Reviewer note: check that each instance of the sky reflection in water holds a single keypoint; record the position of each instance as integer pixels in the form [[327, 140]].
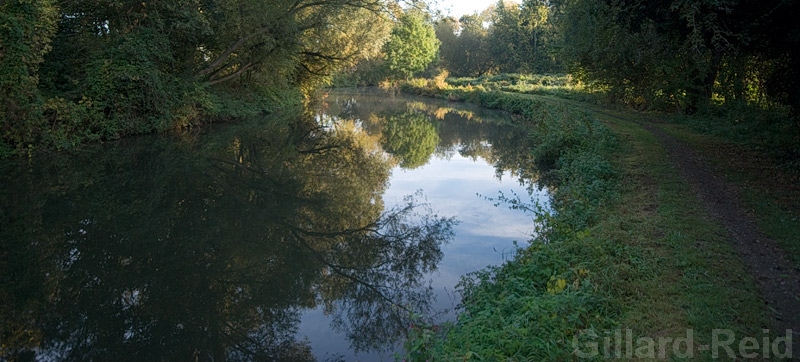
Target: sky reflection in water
[[454, 185], [230, 242]]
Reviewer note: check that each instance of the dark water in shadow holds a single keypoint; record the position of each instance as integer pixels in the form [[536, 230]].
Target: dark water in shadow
[[281, 238]]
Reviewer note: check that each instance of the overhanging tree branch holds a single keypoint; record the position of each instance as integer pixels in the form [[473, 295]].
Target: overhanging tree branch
[[233, 75]]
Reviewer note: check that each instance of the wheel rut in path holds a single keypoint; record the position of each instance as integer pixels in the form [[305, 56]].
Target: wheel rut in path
[[777, 278]]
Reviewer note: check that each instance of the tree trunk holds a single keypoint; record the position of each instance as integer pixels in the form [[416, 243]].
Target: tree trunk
[[700, 91]]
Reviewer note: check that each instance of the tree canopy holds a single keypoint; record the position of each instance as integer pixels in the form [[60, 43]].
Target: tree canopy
[[507, 37], [412, 45], [465, 46], [79, 70], [684, 52], [72, 71], [667, 55]]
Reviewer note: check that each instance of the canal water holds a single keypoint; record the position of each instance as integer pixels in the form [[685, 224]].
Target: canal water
[[319, 236]]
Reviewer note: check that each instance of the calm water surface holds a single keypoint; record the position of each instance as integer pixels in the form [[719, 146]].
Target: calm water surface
[[282, 238]]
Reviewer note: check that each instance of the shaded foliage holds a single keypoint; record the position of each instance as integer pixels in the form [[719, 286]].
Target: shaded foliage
[[465, 53], [116, 68], [26, 28], [684, 54]]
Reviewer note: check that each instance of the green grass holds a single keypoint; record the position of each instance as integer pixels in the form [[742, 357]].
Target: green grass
[[766, 130], [757, 149], [769, 193], [556, 85], [638, 251], [695, 279]]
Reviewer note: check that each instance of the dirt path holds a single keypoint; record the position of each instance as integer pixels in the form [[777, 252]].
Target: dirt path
[[778, 280]]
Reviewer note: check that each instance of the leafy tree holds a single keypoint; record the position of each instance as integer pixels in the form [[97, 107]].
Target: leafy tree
[[446, 31], [536, 23], [127, 67], [26, 29], [506, 37], [680, 53], [475, 45], [523, 38], [465, 53], [412, 45]]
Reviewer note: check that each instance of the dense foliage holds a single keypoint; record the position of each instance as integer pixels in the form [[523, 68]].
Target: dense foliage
[[411, 47], [76, 71], [506, 37], [72, 71], [734, 64], [729, 66], [669, 55], [465, 53], [25, 31], [685, 53]]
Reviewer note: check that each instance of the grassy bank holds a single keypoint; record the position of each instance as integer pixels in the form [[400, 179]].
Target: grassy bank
[[628, 246], [757, 149], [563, 86], [766, 128]]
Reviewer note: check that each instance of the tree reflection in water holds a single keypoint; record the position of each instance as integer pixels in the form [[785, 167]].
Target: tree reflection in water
[[404, 127], [410, 136], [210, 248]]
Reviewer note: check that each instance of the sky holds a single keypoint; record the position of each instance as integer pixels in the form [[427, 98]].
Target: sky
[[463, 7]]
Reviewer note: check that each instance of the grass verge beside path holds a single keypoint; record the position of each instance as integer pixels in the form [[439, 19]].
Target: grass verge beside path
[[771, 196], [696, 279], [646, 257]]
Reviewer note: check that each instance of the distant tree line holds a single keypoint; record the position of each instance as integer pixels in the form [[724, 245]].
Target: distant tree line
[[663, 53], [508, 37]]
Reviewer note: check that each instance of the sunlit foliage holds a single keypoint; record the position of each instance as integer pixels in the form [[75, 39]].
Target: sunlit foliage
[[412, 45], [507, 37]]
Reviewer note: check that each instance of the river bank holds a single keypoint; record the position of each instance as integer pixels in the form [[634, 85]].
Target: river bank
[[657, 262]]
